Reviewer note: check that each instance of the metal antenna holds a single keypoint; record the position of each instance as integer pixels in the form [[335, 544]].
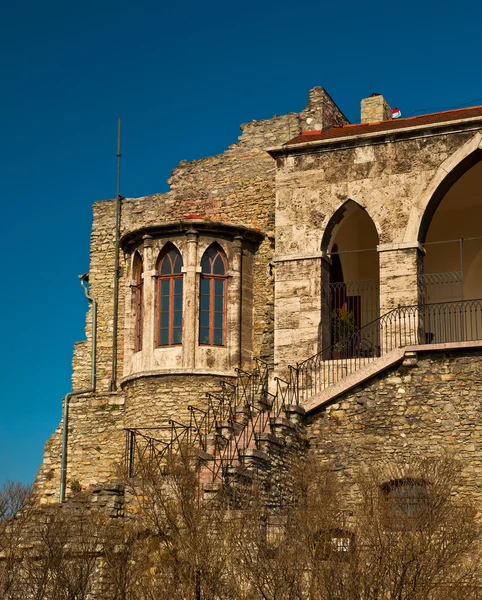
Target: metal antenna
[[113, 380], [119, 126]]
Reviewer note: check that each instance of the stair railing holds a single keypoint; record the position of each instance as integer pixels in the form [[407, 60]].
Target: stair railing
[[442, 322]]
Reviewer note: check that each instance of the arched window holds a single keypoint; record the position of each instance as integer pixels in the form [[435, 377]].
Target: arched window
[[169, 297], [405, 500], [138, 301], [212, 310]]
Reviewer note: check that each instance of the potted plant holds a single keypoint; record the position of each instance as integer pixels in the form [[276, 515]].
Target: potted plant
[[342, 327]]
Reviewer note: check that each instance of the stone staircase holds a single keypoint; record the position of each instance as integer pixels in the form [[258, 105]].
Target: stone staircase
[[243, 434]]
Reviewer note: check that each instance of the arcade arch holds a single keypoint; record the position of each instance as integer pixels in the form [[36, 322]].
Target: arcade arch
[[451, 233], [351, 275]]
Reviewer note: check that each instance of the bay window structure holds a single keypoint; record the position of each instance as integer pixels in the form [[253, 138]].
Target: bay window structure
[[169, 297], [212, 309], [189, 299], [138, 301]]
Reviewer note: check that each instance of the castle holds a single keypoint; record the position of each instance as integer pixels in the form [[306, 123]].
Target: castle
[[345, 258]]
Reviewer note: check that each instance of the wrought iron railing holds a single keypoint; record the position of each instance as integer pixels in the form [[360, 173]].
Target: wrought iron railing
[[232, 419], [245, 407], [443, 322], [362, 299], [442, 287], [152, 444]]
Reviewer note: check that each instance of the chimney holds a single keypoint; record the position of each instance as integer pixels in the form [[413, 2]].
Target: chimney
[[375, 108]]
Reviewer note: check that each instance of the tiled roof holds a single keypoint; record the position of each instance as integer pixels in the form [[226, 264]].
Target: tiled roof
[[338, 131]]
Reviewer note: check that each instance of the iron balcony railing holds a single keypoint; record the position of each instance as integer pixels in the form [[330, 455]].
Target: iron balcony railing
[[443, 322]]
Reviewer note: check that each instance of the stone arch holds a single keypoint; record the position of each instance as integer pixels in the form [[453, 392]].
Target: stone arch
[[222, 253], [166, 248], [350, 277], [336, 218], [448, 173], [451, 230]]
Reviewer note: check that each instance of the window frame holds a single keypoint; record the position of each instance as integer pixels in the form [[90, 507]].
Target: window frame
[[171, 277], [138, 288], [404, 501], [334, 544], [212, 278]]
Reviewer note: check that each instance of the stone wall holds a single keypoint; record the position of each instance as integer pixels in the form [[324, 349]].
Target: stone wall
[[421, 409], [392, 178], [236, 187], [95, 446], [387, 179], [152, 401]]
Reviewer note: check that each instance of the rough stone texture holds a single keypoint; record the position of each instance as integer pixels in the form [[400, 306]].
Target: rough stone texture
[[95, 446], [152, 401], [393, 177], [236, 188], [391, 180], [423, 410], [375, 108]]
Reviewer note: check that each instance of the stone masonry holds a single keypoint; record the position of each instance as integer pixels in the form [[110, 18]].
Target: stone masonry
[[275, 204], [424, 407], [236, 188]]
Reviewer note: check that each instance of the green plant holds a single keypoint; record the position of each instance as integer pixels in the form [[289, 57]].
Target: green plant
[[75, 486], [342, 326]]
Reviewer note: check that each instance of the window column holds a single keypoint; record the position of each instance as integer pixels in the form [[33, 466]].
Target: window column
[[191, 295], [235, 302], [149, 302]]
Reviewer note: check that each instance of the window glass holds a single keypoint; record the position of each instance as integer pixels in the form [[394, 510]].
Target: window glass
[[204, 319], [169, 300], [205, 301], [218, 267], [166, 267], [165, 320], [177, 302], [178, 286], [218, 320], [177, 261], [212, 298], [204, 335], [206, 264], [164, 337], [219, 303]]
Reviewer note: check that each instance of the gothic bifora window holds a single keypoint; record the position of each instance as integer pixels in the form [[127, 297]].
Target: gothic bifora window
[[169, 298], [138, 302], [212, 309]]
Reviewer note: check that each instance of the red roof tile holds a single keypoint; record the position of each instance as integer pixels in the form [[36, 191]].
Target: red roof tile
[[383, 126]]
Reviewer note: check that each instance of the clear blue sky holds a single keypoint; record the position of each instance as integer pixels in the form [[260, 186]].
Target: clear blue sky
[[183, 76]]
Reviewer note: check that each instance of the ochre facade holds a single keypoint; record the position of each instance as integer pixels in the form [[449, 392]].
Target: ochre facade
[[322, 228]]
